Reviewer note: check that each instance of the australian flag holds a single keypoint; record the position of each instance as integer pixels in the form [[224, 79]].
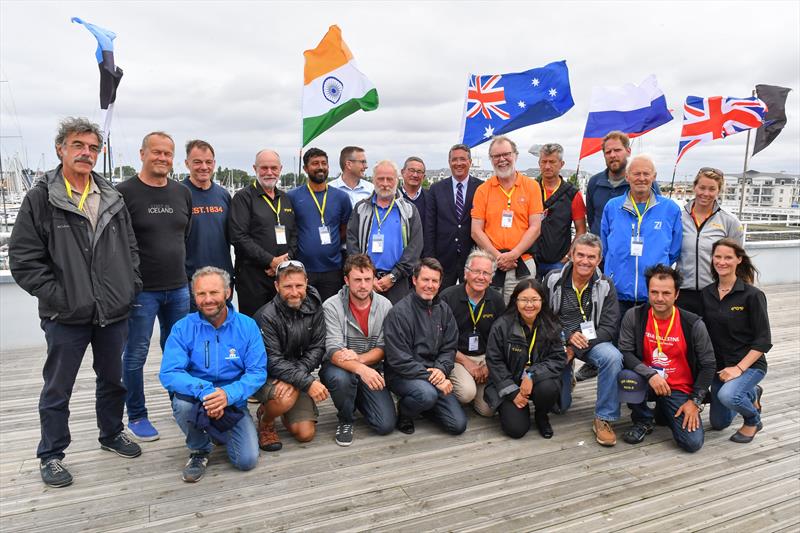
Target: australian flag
[[110, 74], [500, 103]]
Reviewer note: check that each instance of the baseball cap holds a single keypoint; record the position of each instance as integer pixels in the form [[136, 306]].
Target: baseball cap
[[632, 387]]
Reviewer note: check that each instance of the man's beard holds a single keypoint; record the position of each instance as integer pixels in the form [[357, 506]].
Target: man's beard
[[318, 177]]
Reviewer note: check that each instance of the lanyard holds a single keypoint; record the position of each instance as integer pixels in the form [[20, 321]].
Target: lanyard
[[638, 214], [579, 294], [697, 223], [544, 190], [669, 328], [530, 347], [83, 196], [472, 315], [324, 201], [508, 194], [385, 216], [277, 210]]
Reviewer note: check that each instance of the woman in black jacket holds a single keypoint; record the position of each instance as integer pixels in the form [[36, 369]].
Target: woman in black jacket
[[735, 313], [525, 357]]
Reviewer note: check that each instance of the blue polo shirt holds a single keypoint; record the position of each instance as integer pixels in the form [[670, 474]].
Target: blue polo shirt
[[318, 257], [392, 231]]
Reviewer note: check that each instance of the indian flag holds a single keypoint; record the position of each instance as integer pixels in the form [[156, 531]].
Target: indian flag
[[334, 87]]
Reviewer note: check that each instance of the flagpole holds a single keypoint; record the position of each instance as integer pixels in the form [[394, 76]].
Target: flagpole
[[744, 171], [672, 183], [110, 158], [104, 161]]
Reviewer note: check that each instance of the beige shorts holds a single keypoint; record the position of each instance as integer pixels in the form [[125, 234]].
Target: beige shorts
[[304, 408]]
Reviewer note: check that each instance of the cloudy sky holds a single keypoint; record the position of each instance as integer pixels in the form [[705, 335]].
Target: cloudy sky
[[232, 72]]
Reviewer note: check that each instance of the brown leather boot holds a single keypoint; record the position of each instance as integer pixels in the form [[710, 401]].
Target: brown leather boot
[[268, 439]]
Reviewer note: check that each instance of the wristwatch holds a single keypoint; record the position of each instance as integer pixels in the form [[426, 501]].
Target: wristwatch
[[392, 277], [698, 402]]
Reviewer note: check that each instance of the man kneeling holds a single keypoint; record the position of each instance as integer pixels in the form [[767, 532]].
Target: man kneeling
[[213, 360]]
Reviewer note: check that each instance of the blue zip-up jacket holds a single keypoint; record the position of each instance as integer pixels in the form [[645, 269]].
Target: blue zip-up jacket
[[198, 358], [598, 192], [662, 234]]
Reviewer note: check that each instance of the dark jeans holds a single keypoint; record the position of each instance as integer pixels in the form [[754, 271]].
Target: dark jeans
[[418, 396], [691, 441], [326, 283], [349, 393], [398, 290], [735, 397], [516, 422], [66, 346]]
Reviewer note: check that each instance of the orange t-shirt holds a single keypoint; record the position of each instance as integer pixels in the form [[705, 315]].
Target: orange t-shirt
[[490, 201]]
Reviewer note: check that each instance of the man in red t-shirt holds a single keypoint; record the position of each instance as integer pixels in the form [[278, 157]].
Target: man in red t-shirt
[[670, 349]]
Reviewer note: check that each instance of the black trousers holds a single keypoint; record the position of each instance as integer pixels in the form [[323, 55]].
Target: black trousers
[[254, 288], [326, 283], [516, 422], [66, 346]]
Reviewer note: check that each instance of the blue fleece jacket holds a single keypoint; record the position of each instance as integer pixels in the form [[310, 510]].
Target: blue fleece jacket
[[199, 358], [661, 232]]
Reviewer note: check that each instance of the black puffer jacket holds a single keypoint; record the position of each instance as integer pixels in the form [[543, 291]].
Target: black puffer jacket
[[80, 276], [294, 339]]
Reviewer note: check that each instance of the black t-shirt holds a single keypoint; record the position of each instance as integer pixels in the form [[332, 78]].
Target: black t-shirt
[[456, 298], [161, 218]]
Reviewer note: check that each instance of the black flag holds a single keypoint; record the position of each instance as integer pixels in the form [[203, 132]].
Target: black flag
[[775, 119]]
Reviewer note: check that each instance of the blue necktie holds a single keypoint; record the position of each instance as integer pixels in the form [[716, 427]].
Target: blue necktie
[[459, 200]]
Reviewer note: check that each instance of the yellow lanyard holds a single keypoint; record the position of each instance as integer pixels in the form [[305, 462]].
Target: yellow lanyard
[[579, 294], [472, 315], [324, 201], [638, 214], [544, 191], [83, 196], [385, 216], [271, 205], [508, 194], [655, 327], [530, 347]]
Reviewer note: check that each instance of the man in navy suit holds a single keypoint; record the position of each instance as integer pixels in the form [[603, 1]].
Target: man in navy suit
[[447, 224]]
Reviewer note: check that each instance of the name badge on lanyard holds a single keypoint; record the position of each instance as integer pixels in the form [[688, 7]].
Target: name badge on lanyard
[[637, 245], [508, 218], [587, 328], [377, 243], [324, 235], [280, 234], [473, 343]]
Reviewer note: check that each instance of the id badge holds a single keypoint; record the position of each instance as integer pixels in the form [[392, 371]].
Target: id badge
[[280, 234], [324, 235], [377, 243], [637, 246], [473, 343], [508, 219], [587, 328]]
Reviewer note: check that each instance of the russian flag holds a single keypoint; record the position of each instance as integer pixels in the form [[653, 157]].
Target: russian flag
[[632, 109]]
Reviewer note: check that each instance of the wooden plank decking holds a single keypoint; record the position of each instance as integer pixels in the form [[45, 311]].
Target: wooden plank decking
[[428, 481]]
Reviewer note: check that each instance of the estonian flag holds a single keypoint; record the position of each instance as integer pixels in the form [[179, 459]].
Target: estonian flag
[[110, 74]]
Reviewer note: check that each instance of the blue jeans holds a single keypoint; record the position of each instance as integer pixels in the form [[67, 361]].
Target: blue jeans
[[349, 393], [169, 306], [418, 396], [242, 444], [608, 360], [735, 396], [691, 441]]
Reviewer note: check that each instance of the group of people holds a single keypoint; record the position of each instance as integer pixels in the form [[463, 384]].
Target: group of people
[[393, 300]]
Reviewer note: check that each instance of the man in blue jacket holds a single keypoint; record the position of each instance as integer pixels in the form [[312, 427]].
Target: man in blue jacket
[[213, 361], [639, 230]]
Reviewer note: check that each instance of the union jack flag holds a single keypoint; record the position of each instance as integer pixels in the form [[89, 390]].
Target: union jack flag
[[485, 97], [716, 117]]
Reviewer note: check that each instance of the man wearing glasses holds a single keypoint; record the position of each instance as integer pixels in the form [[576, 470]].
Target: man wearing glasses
[[475, 306], [293, 328], [413, 173], [507, 217], [353, 162]]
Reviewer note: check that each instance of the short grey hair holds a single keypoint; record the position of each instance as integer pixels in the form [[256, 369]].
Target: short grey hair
[[414, 159], [480, 253], [210, 271], [387, 162], [588, 239], [642, 157], [552, 148], [77, 125], [162, 134], [500, 138]]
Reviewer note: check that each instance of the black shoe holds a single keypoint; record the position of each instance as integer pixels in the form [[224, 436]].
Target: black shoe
[[405, 424], [759, 392], [741, 438], [195, 468], [587, 371], [543, 424], [54, 473], [637, 433], [344, 434], [123, 446]]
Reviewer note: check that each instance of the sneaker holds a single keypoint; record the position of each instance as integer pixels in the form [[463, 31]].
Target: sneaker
[[344, 434], [543, 425], [268, 439], [143, 430], [253, 399], [123, 446], [54, 473], [195, 467], [587, 371], [405, 424], [637, 433], [604, 433]]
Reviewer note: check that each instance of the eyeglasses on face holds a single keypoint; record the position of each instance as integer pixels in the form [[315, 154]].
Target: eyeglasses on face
[[529, 301], [504, 155], [415, 171], [479, 273]]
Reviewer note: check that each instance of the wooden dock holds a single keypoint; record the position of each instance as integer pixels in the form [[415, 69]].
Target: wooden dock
[[428, 481]]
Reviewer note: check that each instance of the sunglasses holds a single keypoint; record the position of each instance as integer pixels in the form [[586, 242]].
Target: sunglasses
[[291, 262]]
